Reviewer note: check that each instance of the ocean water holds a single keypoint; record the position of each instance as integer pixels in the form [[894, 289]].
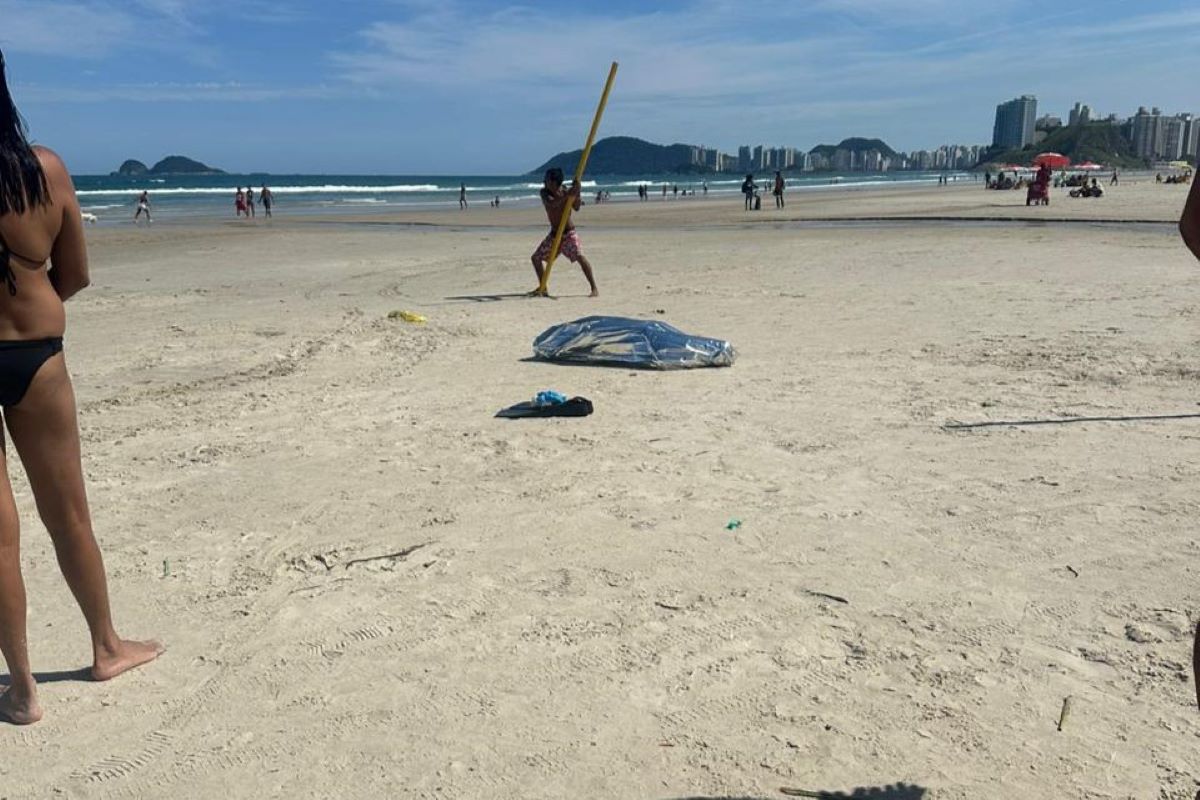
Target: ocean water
[[182, 197]]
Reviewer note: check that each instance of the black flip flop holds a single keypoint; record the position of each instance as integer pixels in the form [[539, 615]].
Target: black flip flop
[[575, 407]]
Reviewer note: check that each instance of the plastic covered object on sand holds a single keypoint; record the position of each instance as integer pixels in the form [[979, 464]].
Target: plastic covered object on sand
[[631, 342]]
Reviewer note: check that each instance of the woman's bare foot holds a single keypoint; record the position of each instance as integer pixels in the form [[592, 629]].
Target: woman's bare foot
[[112, 661], [19, 711]]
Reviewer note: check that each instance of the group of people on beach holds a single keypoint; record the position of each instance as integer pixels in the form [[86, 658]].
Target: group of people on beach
[[751, 197], [44, 263], [243, 201]]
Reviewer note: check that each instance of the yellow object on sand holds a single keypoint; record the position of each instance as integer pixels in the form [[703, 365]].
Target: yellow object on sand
[[407, 316], [542, 289]]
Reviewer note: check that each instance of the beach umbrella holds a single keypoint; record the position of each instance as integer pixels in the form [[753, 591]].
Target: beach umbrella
[[1180, 165], [1052, 160]]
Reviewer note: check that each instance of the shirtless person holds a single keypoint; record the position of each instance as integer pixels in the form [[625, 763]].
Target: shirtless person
[[554, 200], [143, 207], [1189, 228], [40, 223]]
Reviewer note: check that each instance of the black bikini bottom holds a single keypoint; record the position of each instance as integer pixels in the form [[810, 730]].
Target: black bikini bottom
[[19, 362]]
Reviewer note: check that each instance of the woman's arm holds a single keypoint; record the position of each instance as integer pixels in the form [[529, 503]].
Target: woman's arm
[[1189, 223], [68, 258]]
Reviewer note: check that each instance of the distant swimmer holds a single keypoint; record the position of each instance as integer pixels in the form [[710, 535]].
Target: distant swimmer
[[143, 207], [554, 201], [43, 263]]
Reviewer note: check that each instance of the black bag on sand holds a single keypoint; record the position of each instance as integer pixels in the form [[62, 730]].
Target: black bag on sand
[[575, 407], [758, 202]]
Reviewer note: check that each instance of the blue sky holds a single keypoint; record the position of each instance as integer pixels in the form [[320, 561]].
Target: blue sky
[[463, 87]]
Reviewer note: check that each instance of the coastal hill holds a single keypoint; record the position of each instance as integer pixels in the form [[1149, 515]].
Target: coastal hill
[[1092, 141], [856, 144], [171, 165], [624, 155]]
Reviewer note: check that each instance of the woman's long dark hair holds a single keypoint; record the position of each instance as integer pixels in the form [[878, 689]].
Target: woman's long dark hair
[[22, 181]]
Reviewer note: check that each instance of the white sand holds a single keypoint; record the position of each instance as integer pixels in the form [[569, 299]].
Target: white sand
[[579, 622]]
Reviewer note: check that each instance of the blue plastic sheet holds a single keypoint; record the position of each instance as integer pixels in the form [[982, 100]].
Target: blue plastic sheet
[[631, 342]]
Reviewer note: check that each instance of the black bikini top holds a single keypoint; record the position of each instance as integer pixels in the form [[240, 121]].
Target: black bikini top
[[6, 271]]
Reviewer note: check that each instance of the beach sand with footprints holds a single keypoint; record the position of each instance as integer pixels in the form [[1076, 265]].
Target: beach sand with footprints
[[370, 587]]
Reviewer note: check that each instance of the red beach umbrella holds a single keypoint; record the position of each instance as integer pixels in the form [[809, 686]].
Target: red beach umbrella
[[1052, 160]]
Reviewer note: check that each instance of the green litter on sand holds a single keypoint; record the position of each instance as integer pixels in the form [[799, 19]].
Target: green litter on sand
[[733, 524]]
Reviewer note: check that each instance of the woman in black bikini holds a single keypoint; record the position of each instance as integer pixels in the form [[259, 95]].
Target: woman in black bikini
[[40, 223]]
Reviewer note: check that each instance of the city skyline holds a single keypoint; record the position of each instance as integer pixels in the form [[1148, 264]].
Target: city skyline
[[465, 86]]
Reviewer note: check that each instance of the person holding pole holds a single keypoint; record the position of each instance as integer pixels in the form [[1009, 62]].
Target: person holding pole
[[556, 200], [564, 216]]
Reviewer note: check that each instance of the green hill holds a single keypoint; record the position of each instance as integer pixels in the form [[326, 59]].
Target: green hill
[[1093, 141], [624, 155], [181, 165], [855, 143]]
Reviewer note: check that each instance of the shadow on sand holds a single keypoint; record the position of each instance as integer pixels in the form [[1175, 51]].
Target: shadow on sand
[[899, 791], [83, 674]]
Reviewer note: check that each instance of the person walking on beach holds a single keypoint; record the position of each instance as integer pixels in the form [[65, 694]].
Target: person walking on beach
[[39, 223], [267, 199], [1114, 180], [778, 190], [239, 202], [748, 188], [249, 201], [462, 197], [554, 201], [143, 207]]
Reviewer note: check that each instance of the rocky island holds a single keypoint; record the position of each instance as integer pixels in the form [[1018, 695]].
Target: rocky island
[[171, 165]]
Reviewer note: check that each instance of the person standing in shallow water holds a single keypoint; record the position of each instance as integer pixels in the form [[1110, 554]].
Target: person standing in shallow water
[[267, 199], [143, 207], [462, 197], [39, 224], [249, 201]]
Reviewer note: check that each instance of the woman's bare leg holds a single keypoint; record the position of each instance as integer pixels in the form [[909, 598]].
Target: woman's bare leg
[[19, 703], [45, 432]]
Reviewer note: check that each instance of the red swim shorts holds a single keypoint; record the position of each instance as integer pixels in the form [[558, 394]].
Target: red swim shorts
[[568, 248]]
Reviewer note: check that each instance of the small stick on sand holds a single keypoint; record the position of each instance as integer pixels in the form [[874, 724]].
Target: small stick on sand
[[398, 554], [1066, 710], [832, 597]]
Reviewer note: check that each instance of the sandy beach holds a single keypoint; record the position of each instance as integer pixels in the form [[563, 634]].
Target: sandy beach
[[370, 587]]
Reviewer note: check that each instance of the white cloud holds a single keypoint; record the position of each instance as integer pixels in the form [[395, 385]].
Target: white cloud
[[46, 27]]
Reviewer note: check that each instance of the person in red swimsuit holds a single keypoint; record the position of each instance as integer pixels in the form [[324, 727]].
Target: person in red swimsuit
[[239, 202], [39, 224]]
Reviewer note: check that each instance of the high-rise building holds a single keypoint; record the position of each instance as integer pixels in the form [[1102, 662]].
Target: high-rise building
[[745, 163], [1175, 131], [1191, 137], [1147, 134], [1080, 114], [1014, 122]]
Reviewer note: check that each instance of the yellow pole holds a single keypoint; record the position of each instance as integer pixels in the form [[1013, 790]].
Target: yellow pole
[[542, 289]]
